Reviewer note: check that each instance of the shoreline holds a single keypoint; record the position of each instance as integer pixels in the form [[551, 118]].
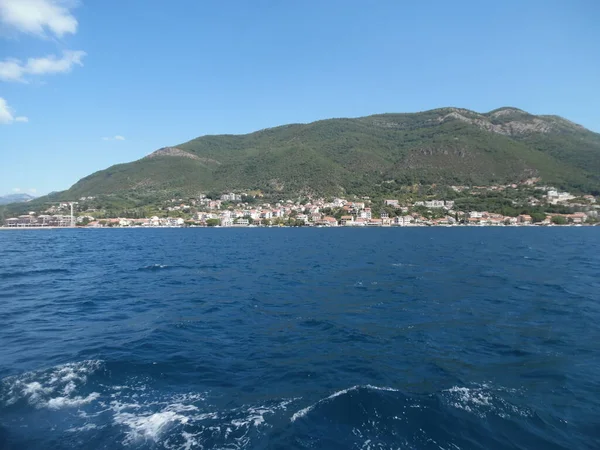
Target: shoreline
[[337, 227]]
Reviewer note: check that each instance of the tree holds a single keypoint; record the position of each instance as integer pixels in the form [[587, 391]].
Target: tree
[[248, 199], [213, 222], [537, 217], [559, 220]]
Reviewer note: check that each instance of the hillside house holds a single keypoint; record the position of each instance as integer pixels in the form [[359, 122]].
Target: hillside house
[[347, 220], [524, 219]]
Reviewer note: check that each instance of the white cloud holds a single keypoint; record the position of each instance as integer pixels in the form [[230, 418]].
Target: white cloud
[[11, 70], [16, 189], [6, 114], [32, 190], [15, 70], [114, 138], [39, 17], [44, 18], [52, 64]]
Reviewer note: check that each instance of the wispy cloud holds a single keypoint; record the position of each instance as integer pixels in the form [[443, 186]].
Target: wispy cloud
[[31, 191], [6, 114], [114, 138], [16, 70], [45, 19], [39, 17]]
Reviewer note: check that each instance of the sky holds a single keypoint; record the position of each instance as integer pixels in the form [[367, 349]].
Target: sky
[[87, 84]]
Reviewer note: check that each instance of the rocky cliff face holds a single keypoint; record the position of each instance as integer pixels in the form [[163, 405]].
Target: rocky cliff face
[[177, 152], [509, 121], [172, 151]]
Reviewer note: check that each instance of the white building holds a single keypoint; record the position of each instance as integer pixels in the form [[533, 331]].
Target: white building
[[402, 221], [226, 222], [434, 204], [231, 197], [365, 214]]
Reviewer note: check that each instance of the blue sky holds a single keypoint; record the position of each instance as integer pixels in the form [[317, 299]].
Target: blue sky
[[87, 84]]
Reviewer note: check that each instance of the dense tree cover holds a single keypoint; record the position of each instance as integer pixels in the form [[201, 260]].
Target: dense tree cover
[[509, 203], [559, 220], [537, 217], [376, 156]]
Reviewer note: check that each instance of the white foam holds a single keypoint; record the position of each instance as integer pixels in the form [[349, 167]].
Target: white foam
[[190, 441], [53, 388], [380, 388], [256, 415], [66, 402], [69, 388], [471, 396], [148, 427], [137, 410], [303, 412], [483, 399], [34, 391], [156, 266], [86, 427], [256, 420]]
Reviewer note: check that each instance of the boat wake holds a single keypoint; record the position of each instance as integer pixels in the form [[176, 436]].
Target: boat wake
[[78, 404]]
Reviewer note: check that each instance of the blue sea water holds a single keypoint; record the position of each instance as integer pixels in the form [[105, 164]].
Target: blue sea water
[[437, 338]]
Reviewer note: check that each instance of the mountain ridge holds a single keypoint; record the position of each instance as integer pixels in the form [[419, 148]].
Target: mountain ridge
[[16, 198], [355, 155]]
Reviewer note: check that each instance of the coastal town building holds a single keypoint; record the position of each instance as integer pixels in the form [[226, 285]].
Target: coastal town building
[[230, 211]]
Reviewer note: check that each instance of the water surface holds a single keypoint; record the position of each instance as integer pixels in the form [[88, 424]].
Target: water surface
[[300, 338]]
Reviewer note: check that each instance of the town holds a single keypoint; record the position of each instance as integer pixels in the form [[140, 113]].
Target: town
[[251, 210]]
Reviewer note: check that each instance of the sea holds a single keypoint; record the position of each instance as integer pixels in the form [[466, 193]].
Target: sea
[[280, 338]]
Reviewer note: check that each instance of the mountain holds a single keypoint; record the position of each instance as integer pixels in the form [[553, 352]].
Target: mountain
[[355, 156], [15, 198]]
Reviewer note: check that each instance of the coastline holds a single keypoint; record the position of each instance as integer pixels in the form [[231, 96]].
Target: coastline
[[329, 227]]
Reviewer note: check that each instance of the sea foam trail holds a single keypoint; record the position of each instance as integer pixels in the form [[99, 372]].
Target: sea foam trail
[[483, 399], [133, 408], [189, 421], [55, 388], [303, 412]]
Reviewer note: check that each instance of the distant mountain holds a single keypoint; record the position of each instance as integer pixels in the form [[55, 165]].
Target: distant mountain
[[358, 156], [15, 198]]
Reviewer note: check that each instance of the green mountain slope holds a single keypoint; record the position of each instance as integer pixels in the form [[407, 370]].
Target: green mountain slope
[[336, 156]]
